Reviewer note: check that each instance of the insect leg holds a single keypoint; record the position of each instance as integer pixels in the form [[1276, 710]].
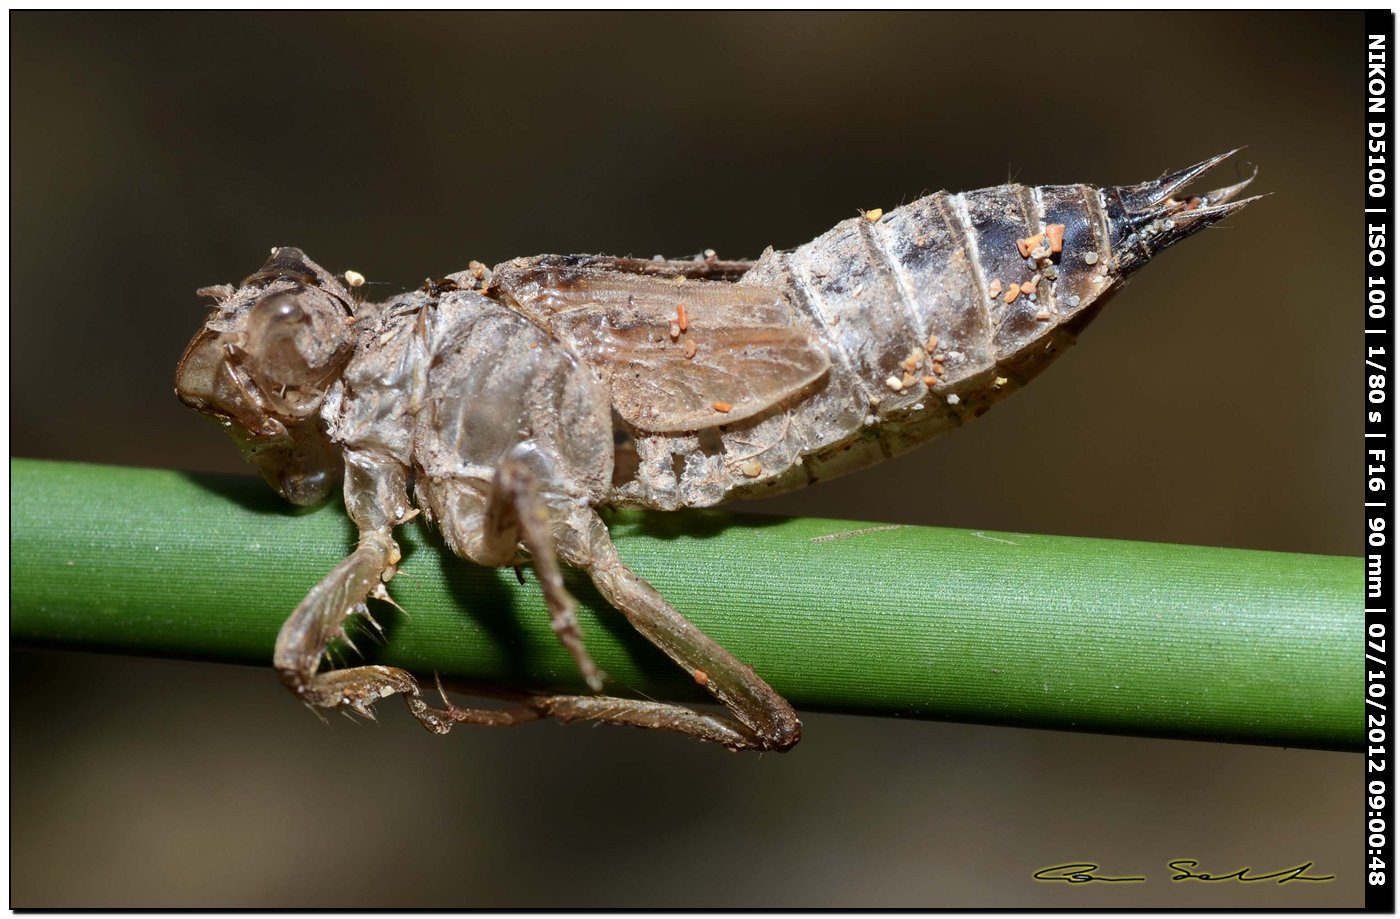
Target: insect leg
[[515, 514], [643, 714], [763, 720], [488, 528], [634, 712], [372, 495]]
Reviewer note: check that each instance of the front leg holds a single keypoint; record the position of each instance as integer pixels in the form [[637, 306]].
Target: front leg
[[376, 499]]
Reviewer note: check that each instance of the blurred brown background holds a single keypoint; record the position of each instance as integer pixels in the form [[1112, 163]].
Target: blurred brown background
[[1216, 402]]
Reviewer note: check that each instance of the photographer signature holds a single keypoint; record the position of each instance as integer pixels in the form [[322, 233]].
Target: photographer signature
[[1183, 870]]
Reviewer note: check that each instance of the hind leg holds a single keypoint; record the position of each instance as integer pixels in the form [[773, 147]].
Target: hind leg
[[762, 719], [488, 530], [759, 718]]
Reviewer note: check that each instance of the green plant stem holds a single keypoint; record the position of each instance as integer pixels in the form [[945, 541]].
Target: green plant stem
[[1037, 631]]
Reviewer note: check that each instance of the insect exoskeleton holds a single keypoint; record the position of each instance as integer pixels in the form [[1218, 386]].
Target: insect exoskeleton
[[891, 329], [509, 404]]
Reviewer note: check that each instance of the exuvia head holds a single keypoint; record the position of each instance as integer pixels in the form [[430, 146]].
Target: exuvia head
[[262, 365], [1145, 219]]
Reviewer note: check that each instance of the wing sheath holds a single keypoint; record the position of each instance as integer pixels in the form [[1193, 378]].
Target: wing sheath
[[678, 353]]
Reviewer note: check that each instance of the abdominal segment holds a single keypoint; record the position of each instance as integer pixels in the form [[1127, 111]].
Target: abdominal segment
[[928, 314]]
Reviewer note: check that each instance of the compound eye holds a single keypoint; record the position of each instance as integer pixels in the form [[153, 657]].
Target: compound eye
[[279, 310], [294, 342], [282, 343]]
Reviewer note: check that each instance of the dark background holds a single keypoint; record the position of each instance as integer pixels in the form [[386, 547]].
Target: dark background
[[1215, 403]]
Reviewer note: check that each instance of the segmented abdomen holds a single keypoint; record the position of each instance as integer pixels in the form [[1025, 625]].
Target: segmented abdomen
[[918, 310]]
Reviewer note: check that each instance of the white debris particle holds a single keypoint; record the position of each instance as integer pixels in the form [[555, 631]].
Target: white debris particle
[[354, 278], [895, 383], [1090, 258], [953, 398], [918, 406]]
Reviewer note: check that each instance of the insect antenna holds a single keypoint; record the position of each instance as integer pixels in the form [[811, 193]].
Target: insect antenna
[[218, 292]]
